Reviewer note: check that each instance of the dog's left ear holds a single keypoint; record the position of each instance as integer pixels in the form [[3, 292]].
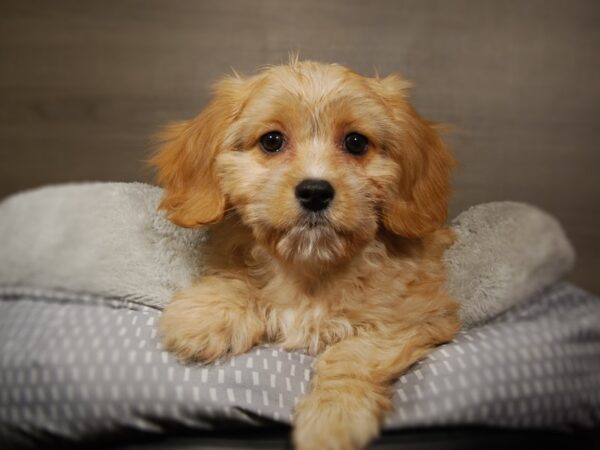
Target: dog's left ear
[[185, 161], [418, 202]]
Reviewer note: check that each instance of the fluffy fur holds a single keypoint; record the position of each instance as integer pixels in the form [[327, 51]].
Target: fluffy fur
[[360, 283]]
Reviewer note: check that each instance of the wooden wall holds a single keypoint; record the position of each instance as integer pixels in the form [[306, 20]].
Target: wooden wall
[[85, 84]]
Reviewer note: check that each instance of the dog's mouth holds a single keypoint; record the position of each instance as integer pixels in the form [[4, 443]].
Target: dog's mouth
[[313, 238], [311, 241], [314, 220]]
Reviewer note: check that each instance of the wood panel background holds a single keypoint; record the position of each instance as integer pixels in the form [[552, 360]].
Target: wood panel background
[[85, 84]]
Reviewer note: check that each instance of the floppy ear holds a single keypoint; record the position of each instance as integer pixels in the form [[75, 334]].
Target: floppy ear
[[418, 202], [185, 161]]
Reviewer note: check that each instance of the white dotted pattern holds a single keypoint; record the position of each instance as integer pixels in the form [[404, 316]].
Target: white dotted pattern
[[76, 366]]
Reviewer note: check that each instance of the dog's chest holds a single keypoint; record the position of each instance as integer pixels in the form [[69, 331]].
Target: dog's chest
[[306, 326], [296, 320], [311, 315]]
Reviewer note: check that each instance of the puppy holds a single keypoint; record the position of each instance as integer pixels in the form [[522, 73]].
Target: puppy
[[326, 197]]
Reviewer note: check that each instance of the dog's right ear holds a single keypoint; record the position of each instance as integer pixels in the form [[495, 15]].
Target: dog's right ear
[[185, 160]]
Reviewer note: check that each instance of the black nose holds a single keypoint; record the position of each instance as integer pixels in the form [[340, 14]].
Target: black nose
[[314, 195]]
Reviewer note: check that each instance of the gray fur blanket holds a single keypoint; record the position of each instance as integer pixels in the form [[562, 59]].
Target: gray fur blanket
[[109, 239]]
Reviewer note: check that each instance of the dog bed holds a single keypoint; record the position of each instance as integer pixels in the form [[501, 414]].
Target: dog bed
[[85, 270], [78, 367]]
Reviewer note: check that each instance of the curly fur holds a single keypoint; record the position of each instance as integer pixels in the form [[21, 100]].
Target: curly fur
[[361, 283]]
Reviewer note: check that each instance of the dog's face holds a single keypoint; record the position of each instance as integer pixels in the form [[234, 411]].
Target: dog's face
[[314, 158]]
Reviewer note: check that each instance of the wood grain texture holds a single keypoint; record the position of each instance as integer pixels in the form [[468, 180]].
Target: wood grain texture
[[85, 85]]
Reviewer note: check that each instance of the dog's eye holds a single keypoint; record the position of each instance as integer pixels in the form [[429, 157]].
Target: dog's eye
[[356, 144], [272, 141]]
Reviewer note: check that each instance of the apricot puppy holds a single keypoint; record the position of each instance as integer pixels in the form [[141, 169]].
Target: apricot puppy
[[326, 196]]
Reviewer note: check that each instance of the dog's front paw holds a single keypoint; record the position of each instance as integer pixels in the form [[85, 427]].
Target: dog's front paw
[[211, 320], [345, 417]]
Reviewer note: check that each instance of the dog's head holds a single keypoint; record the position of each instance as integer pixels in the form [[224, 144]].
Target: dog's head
[[314, 158]]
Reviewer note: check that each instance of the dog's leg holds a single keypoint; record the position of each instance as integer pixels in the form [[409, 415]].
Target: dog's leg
[[352, 386], [214, 318]]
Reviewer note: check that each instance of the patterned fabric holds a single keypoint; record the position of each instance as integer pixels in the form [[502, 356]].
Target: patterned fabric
[[77, 366]]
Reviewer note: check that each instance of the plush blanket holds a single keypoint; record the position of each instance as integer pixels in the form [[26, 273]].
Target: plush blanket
[[109, 239]]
